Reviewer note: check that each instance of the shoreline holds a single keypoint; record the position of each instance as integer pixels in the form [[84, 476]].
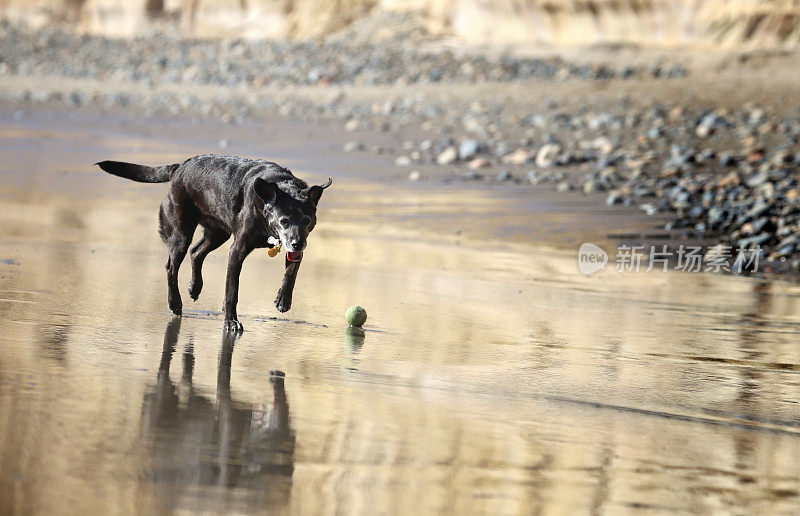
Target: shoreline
[[502, 217]]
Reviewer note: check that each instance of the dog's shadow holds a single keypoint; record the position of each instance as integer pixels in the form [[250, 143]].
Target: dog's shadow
[[200, 450]]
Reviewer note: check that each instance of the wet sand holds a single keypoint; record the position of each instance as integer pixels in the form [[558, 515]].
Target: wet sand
[[491, 378]]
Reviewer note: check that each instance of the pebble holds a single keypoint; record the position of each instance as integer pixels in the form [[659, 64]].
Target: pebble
[[479, 163], [563, 186], [447, 156], [547, 155], [353, 146], [503, 176], [518, 157], [468, 149]]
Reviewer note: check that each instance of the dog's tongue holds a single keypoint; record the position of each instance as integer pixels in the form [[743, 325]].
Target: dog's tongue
[[293, 257]]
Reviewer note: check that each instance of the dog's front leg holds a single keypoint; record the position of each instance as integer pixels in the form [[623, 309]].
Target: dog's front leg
[[239, 251], [284, 300]]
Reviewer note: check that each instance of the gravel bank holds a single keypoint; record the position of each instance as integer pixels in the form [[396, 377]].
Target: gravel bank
[[728, 175]]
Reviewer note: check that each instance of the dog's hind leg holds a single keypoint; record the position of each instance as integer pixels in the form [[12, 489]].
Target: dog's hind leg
[[177, 228], [211, 240]]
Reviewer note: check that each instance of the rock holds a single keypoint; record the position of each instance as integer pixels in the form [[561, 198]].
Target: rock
[[757, 179], [591, 186], [415, 175], [782, 157], [505, 175], [353, 146], [479, 163], [547, 155], [468, 149], [608, 174], [696, 211], [731, 179], [518, 157], [649, 209], [563, 186], [669, 171], [753, 241], [603, 144], [727, 159], [403, 161], [714, 215], [447, 156], [351, 125], [755, 157], [501, 149], [613, 198], [703, 131]]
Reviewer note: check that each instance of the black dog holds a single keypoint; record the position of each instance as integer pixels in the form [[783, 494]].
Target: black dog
[[258, 202]]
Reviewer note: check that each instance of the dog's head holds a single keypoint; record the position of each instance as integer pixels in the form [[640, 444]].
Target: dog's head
[[290, 216]]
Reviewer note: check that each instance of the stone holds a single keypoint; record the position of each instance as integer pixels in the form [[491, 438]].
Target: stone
[[353, 146], [547, 155], [757, 179], [590, 186], [447, 156], [730, 179], [518, 157], [613, 198], [468, 149], [479, 163], [503, 176], [563, 186]]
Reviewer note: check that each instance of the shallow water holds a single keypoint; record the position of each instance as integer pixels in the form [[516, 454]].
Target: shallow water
[[488, 380]]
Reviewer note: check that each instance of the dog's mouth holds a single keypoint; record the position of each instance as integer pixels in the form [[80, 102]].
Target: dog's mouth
[[293, 249], [275, 242]]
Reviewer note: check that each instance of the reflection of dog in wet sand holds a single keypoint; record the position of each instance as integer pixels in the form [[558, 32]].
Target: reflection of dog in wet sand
[[240, 453], [258, 202]]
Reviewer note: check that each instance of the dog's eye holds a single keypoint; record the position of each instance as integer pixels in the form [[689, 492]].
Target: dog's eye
[[284, 221]]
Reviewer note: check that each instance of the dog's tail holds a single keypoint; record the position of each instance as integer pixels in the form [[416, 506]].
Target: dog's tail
[[139, 173]]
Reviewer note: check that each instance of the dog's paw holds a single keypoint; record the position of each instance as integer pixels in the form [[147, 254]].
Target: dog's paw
[[194, 290], [176, 307], [283, 302], [233, 326], [174, 301]]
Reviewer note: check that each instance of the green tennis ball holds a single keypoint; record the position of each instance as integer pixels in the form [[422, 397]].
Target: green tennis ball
[[356, 315]]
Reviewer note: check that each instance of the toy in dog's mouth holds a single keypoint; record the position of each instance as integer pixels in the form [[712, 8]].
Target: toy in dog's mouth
[[276, 248]]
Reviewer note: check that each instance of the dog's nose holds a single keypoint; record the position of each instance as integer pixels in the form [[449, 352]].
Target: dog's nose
[[296, 245]]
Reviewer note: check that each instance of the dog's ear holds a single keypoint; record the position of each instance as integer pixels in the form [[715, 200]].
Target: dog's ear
[[266, 190], [315, 192]]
